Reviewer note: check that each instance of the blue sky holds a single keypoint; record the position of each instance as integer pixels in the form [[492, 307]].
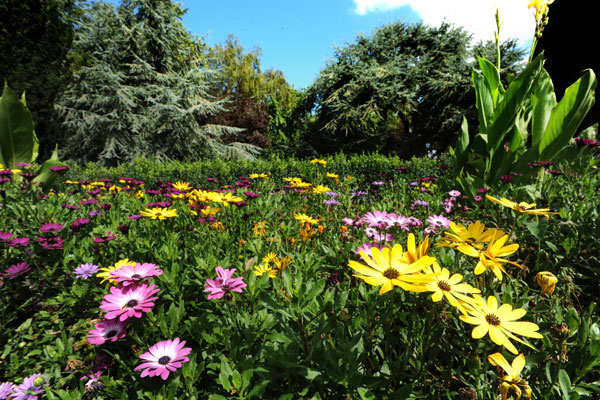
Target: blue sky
[[298, 37]]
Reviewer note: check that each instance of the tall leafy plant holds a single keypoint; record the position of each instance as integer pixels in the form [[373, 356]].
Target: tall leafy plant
[[520, 124], [18, 141]]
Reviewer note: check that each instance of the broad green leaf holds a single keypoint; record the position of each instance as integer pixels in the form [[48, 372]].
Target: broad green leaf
[[568, 115], [492, 76], [462, 144], [483, 100], [18, 142], [565, 383], [512, 103], [542, 102]]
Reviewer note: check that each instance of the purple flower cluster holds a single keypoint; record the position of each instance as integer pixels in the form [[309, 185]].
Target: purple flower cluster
[[31, 387]]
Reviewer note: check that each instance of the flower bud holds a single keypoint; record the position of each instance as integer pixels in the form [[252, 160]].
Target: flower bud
[[547, 281], [39, 381]]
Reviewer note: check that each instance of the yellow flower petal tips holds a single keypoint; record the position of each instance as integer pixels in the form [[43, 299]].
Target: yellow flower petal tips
[[522, 207], [388, 268], [499, 322]]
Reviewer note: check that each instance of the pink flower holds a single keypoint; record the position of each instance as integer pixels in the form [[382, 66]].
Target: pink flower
[[129, 301], [132, 274], [438, 221], [163, 358], [223, 283], [18, 269], [107, 330], [376, 218]]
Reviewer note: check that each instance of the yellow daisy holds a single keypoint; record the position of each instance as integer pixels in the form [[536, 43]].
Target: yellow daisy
[[522, 207], [511, 381], [491, 257], [305, 219], [499, 322], [118, 265], [181, 186], [159, 213], [449, 286]]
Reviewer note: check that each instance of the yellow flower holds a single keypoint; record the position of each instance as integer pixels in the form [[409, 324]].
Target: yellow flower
[[332, 175], [181, 186], [282, 263], [306, 232], [317, 161], [139, 194], [254, 176], [217, 226], [159, 213], [305, 219], [223, 198], [118, 265], [540, 4], [269, 258], [261, 269], [388, 268], [511, 381], [547, 281], [320, 189], [490, 257], [260, 228], [522, 207], [473, 235], [500, 322], [449, 287], [414, 253], [208, 211]]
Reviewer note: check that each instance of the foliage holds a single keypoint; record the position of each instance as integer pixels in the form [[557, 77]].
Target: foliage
[[313, 330], [141, 89], [401, 91], [520, 124], [18, 141], [35, 37]]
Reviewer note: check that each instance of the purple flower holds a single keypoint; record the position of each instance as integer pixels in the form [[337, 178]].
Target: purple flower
[[130, 274], [332, 202], [107, 330], [129, 301], [5, 172], [223, 283], [23, 164], [85, 271], [6, 388], [419, 203], [506, 178], [348, 221], [51, 243], [109, 237], [95, 213], [366, 248], [554, 172], [163, 358], [414, 221], [438, 221], [251, 195], [454, 193], [331, 194], [50, 228], [477, 198], [59, 168], [398, 220], [18, 269], [19, 242], [105, 206], [88, 202], [5, 236], [378, 183], [70, 206], [135, 217], [30, 388]]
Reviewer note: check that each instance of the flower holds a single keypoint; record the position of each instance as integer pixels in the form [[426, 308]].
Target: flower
[[547, 281], [50, 228], [305, 219], [260, 228], [159, 213], [500, 322], [129, 274], [223, 283], [511, 381], [30, 388], [439, 221], [379, 219], [5, 237], [103, 239], [6, 388], [331, 202], [454, 193], [181, 186], [522, 207], [262, 269], [490, 257], [163, 358], [18, 269], [445, 285], [51, 243], [317, 161], [107, 330], [256, 176], [107, 271], [85, 271], [473, 235], [387, 267], [19, 242], [129, 301]]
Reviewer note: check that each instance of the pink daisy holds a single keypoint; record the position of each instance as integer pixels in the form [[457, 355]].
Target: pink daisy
[[132, 274], [398, 220], [376, 218], [163, 358], [18, 269], [128, 301], [223, 283], [439, 221], [107, 330]]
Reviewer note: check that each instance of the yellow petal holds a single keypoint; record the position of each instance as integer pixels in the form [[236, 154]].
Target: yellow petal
[[479, 331]]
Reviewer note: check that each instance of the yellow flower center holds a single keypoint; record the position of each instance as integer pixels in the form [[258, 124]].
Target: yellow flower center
[[492, 319], [444, 286], [391, 273]]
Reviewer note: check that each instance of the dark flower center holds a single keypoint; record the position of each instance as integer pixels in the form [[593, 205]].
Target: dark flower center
[[132, 303], [135, 276], [444, 286], [391, 273], [492, 319], [111, 333], [164, 360]]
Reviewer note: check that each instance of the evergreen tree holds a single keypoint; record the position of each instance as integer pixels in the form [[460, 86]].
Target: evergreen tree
[[141, 89]]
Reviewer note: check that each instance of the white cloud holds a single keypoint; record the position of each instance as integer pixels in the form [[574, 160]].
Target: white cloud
[[476, 16]]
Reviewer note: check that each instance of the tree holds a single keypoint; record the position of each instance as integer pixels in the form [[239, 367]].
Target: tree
[[141, 89], [401, 91], [35, 37]]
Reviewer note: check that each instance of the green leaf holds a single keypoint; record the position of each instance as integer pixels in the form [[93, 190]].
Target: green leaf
[[462, 144], [492, 76], [483, 100], [565, 383], [18, 142], [568, 115], [542, 102]]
